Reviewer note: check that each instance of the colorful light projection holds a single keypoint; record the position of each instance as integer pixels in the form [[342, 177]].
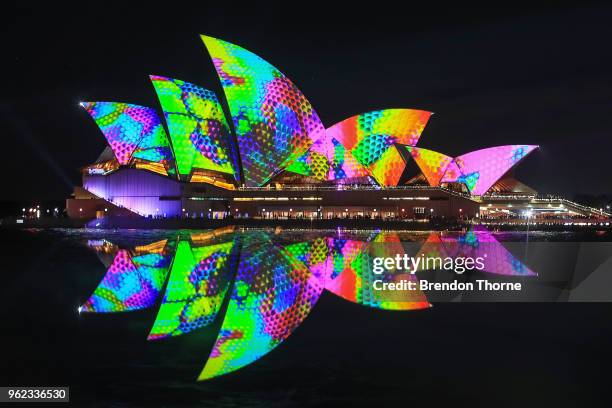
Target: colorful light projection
[[132, 131], [452, 174], [132, 282], [313, 253], [388, 169], [273, 293], [478, 242], [274, 122], [313, 163], [364, 145], [277, 129], [369, 135], [343, 165], [478, 170], [432, 164], [349, 274], [196, 288], [200, 134], [482, 168], [277, 284], [328, 160], [385, 127]]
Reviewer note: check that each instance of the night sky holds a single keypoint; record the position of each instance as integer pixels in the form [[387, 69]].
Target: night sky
[[492, 76]]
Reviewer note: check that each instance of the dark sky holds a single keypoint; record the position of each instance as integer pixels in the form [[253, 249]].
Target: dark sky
[[492, 76]]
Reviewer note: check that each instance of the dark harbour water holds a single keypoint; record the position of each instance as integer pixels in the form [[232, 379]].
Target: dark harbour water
[[481, 354]]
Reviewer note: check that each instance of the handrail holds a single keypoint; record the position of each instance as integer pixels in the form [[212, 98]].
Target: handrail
[[572, 204]]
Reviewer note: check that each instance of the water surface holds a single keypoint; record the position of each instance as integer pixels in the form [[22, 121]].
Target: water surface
[[343, 352]]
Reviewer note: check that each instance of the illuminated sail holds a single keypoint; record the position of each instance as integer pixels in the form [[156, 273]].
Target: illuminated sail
[[432, 164], [132, 131], [388, 169], [274, 122], [200, 134], [481, 169]]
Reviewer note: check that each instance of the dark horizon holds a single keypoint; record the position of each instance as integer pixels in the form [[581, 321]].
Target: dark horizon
[[510, 76]]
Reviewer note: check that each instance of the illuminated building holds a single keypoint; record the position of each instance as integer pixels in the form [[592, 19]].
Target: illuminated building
[[272, 157]]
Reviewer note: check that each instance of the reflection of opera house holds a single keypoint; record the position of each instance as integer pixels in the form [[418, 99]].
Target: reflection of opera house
[[270, 281], [277, 159]]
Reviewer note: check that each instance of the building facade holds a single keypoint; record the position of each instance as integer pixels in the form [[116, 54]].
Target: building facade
[[273, 157]]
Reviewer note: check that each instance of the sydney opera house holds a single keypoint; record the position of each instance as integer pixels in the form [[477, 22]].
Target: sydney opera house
[[274, 158]]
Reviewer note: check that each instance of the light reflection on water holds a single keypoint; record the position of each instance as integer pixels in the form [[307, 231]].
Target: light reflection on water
[[341, 352], [269, 279]]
